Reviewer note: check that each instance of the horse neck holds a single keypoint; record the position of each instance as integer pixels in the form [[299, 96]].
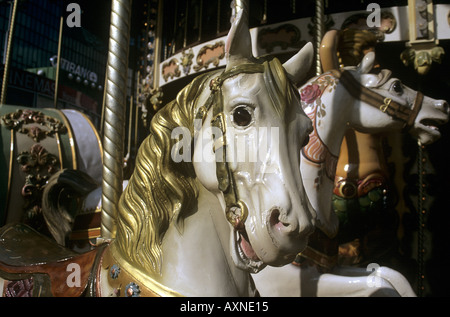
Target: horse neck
[[320, 156], [197, 261], [335, 118]]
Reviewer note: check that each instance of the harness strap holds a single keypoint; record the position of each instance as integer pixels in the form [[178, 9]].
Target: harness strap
[[236, 210], [387, 105]]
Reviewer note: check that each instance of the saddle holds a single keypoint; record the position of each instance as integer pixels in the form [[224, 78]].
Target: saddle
[[33, 265]]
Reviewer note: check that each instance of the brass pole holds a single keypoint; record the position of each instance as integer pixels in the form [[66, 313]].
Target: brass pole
[[158, 45], [12, 23], [113, 134], [102, 119], [58, 64], [319, 18]]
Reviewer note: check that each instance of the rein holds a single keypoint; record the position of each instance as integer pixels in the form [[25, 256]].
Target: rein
[[236, 210], [386, 105]]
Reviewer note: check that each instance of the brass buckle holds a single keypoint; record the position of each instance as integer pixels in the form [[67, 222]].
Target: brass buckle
[[385, 106], [237, 214]]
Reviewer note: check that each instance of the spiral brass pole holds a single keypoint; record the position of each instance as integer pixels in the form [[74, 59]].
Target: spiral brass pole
[[319, 31], [115, 110], [8, 53]]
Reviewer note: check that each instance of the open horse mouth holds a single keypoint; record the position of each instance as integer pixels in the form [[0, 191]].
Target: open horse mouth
[[432, 123], [247, 257]]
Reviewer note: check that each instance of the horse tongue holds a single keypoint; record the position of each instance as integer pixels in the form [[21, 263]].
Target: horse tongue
[[247, 249]]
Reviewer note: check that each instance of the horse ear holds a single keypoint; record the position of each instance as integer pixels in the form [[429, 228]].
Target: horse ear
[[367, 63], [298, 65], [238, 47]]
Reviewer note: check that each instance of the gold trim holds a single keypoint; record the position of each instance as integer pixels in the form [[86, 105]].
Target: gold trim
[[58, 142], [147, 284], [81, 234], [387, 103], [71, 139], [11, 158]]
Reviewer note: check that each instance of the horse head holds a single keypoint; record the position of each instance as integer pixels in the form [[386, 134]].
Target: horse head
[[355, 97], [233, 135], [408, 109], [258, 127]]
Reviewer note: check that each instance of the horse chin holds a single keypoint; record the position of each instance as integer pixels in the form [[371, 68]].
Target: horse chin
[[432, 134], [244, 257]]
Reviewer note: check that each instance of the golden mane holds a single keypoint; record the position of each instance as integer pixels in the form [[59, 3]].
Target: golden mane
[[161, 190]]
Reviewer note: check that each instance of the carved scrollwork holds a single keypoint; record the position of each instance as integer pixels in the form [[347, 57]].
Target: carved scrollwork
[[286, 35], [210, 54], [171, 69]]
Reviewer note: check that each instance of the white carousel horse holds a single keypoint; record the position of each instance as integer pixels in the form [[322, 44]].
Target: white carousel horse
[[327, 101], [173, 237]]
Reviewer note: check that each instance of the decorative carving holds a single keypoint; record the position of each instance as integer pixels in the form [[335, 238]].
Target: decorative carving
[[422, 59], [286, 35], [210, 54], [17, 121], [20, 288], [171, 69], [132, 290], [152, 105], [186, 61], [38, 165]]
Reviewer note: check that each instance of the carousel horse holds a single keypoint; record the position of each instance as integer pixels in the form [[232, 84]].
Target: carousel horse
[[194, 220], [335, 101]]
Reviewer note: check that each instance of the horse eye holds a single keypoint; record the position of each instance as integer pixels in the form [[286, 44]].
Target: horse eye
[[398, 88], [242, 116]]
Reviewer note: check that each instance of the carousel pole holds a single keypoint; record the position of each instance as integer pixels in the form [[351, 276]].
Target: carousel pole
[[12, 23], [58, 63], [115, 109], [319, 31]]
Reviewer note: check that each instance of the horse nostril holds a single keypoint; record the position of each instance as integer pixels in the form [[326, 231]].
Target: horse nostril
[[446, 107], [442, 105], [274, 219]]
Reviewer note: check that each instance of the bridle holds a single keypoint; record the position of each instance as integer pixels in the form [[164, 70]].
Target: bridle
[[386, 105], [236, 210]]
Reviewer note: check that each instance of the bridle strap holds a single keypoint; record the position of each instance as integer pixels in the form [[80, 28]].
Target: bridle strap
[[236, 210], [386, 105]]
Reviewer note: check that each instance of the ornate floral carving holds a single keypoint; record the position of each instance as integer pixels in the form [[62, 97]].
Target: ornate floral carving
[[38, 165], [422, 59], [18, 120], [186, 61]]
